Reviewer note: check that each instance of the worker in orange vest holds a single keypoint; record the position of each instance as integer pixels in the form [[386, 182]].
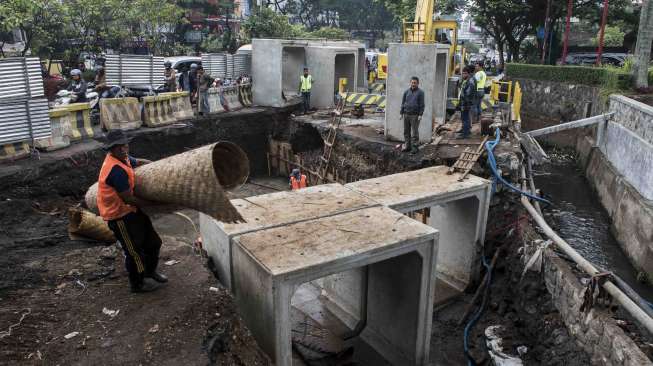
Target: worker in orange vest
[[121, 209], [297, 180]]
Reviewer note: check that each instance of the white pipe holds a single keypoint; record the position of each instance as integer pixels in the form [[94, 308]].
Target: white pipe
[[625, 301]]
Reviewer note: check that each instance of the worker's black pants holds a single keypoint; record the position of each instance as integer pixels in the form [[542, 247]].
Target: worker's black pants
[[306, 101], [411, 124], [141, 245]]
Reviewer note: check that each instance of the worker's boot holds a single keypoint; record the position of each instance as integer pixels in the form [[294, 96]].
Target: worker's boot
[[158, 277], [145, 286]]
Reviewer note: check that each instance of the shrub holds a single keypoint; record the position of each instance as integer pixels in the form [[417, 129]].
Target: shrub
[[604, 77]]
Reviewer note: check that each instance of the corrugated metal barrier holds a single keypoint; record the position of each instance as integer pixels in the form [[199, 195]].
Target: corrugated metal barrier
[[128, 70], [23, 106], [215, 64]]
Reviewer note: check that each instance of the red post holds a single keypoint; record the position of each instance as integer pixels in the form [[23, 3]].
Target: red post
[[567, 28], [604, 19]]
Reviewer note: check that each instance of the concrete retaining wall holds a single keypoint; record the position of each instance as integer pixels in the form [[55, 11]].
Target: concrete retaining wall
[[596, 331], [548, 103], [621, 172]]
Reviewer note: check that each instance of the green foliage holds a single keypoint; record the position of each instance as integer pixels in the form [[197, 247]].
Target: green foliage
[[330, 33], [612, 37], [471, 47], [40, 20], [267, 23], [604, 77]]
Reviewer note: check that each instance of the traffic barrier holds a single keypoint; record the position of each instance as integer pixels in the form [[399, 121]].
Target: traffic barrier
[[80, 121], [157, 111], [180, 102], [380, 102], [231, 101], [120, 114], [60, 120], [13, 151], [215, 104], [377, 88], [245, 94], [361, 99]]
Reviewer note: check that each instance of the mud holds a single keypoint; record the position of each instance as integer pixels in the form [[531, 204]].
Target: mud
[[66, 284]]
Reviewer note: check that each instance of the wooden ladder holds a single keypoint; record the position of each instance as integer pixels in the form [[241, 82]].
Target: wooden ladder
[[466, 160], [334, 125]]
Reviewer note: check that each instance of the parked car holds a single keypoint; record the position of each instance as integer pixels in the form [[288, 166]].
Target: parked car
[[589, 58]]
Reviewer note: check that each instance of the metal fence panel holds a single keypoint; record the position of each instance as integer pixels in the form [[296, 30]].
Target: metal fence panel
[[230, 66], [23, 120], [20, 77], [242, 64], [215, 64], [128, 70]]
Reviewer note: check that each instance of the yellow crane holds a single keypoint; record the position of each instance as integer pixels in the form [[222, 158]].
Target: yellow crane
[[425, 29]]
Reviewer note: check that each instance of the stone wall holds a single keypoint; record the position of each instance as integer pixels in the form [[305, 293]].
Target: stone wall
[[548, 103], [595, 331]]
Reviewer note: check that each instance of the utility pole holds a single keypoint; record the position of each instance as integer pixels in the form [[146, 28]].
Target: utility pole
[[567, 28], [546, 31], [604, 19]]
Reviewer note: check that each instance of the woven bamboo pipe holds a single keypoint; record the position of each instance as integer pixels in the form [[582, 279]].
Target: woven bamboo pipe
[[83, 224], [195, 179]]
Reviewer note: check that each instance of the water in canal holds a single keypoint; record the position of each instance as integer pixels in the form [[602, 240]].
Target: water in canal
[[579, 218]]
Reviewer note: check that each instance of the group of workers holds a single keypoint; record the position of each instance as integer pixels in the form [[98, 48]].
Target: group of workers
[[472, 92]]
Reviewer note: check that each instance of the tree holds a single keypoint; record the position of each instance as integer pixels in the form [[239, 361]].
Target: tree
[[266, 23], [612, 37], [330, 33], [505, 21], [155, 21], [40, 21], [643, 46]]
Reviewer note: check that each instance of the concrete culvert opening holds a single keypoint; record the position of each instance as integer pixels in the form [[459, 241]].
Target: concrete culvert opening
[[345, 66], [293, 62], [230, 164]]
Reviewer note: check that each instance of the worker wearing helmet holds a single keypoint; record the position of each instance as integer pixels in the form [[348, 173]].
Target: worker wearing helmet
[[77, 86], [297, 180], [192, 81], [170, 77]]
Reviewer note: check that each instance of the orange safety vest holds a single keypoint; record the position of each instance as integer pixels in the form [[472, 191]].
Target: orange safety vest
[[294, 184], [109, 203]]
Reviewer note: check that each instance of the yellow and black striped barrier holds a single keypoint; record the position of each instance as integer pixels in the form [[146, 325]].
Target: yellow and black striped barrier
[[13, 151], [361, 99], [80, 121], [380, 102], [120, 113], [157, 111], [245, 94], [180, 102], [377, 88], [60, 121]]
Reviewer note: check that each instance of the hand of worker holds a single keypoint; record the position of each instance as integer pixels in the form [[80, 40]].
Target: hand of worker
[[401, 116], [419, 118]]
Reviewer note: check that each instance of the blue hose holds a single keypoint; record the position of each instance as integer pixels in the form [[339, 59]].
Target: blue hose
[[477, 315], [489, 146]]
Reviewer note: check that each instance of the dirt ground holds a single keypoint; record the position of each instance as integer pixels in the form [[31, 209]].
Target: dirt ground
[[62, 288]]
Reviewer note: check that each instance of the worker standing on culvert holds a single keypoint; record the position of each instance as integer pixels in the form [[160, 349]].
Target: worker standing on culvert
[[305, 86], [412, 108], [297, 180], [480, 78], [121, 209], [466, 101]]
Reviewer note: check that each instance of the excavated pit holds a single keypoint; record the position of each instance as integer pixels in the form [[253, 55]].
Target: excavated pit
[[201, 326]]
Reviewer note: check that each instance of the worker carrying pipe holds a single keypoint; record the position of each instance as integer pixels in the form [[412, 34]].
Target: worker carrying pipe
[[119, 206], [297, 180]]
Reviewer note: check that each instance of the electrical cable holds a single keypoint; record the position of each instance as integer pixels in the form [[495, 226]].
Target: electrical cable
[[489, 146], [470, 360]]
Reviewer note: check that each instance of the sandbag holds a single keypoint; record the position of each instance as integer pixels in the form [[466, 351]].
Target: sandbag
[[83, 224], [195, 179]]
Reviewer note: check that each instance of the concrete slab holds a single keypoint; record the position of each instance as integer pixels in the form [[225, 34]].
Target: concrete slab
[[458, 209], [271, 210], [398, 252], [429, 62]]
